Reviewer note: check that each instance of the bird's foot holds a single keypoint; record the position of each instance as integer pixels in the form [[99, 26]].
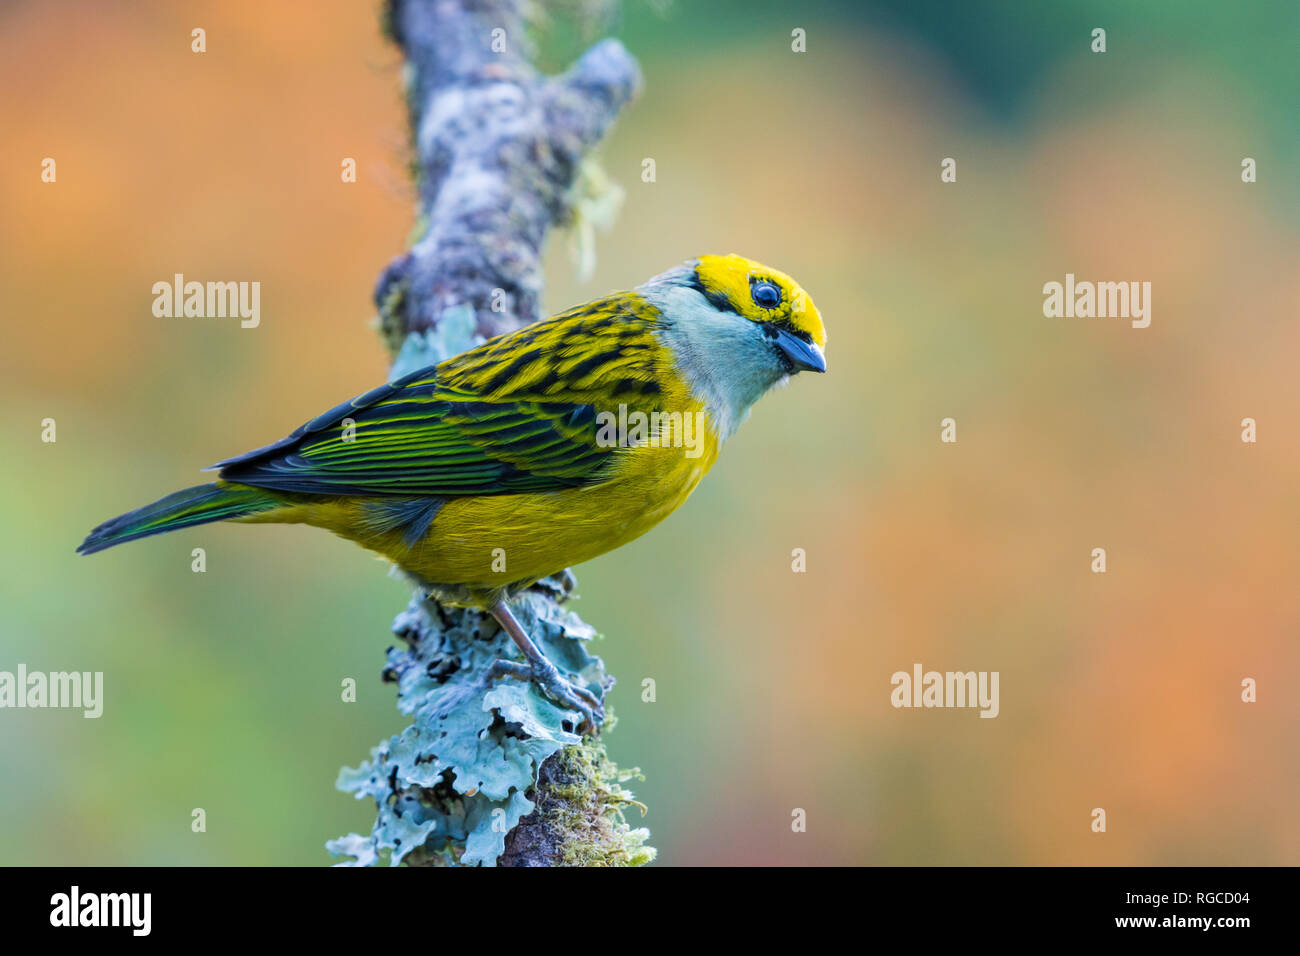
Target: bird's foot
[[551, 682]]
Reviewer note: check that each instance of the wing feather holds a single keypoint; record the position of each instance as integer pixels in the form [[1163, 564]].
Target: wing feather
[[516, 414]]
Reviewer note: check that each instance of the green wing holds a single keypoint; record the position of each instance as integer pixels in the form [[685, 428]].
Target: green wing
[[430, 439], [518, 413]]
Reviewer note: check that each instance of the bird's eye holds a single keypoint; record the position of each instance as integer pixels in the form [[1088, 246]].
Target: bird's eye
[[766, 295]]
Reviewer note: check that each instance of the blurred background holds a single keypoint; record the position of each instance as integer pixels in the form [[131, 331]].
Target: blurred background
[[1118, 690]]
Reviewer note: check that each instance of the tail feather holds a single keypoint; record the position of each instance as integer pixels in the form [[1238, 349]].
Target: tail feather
[[216, 501]]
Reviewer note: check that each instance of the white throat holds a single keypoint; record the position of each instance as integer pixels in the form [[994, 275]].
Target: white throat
[[723, 357]]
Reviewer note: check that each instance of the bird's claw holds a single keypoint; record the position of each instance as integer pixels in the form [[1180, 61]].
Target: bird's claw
[[564, 692]]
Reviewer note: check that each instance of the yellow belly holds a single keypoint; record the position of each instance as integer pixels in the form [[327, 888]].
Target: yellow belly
[[480, 547]]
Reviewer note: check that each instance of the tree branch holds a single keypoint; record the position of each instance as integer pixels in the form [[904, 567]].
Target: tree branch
[[488, 772]]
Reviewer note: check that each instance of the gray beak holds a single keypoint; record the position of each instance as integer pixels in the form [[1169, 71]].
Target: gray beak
[[803, 355]]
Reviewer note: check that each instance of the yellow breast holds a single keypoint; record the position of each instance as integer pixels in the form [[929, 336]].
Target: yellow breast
[[499, 540]]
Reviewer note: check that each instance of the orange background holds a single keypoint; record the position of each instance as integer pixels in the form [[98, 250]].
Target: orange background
[[1118, 691]]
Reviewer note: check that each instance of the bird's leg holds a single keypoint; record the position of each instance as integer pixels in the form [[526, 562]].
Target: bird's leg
[[543, 673]]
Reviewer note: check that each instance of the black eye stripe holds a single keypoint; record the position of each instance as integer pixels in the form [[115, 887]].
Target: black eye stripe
[[771, 329], [717, 298]]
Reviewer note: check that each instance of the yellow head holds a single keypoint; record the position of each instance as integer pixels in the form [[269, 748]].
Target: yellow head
[[760, 294], [735, 328]]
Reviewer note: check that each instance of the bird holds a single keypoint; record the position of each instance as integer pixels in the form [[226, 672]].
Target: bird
[[539, 449]]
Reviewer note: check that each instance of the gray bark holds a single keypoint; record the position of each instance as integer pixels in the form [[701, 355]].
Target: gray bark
[[499, 147]]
